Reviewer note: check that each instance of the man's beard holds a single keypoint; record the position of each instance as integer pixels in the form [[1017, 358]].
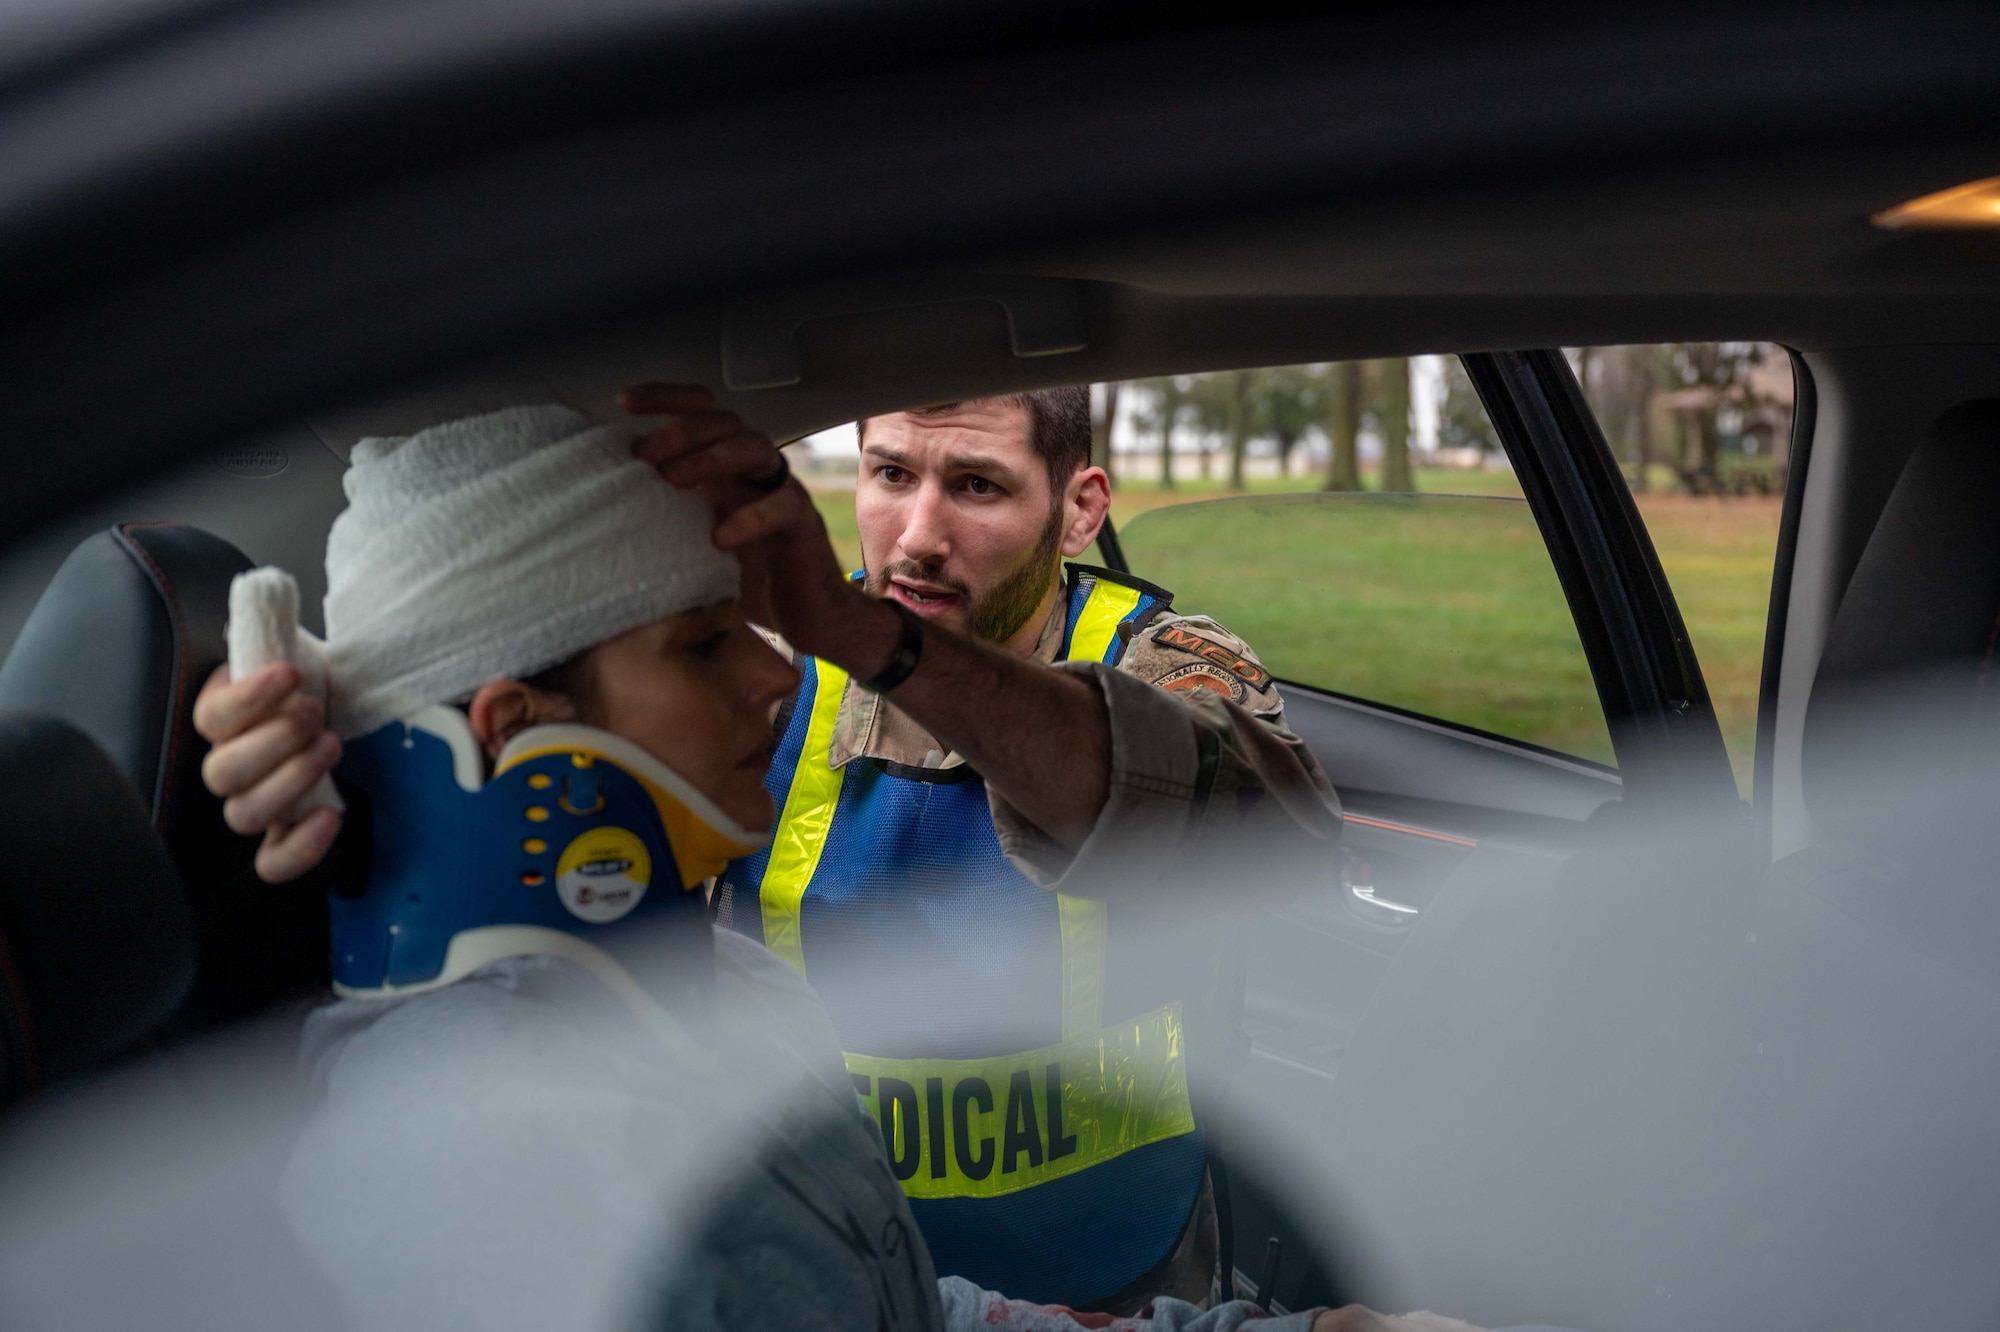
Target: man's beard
[[1001, 613]]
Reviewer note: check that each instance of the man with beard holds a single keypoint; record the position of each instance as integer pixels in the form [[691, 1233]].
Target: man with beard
[[1022, 1049], [977, 856]]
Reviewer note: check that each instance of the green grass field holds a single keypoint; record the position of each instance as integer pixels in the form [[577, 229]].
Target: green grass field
[[1445, 603]]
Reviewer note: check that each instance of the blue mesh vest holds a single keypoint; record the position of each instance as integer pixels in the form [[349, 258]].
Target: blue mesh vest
[[1036, 1111]]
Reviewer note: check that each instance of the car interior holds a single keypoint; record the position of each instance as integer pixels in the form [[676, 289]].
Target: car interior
[[1623, 1049]]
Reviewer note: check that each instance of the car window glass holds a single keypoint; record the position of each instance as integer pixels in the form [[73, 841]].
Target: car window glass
[[1358, 526], [1444, 605], [1703, 432]]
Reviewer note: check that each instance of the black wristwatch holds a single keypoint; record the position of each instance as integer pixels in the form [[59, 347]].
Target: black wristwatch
[[904, 659]]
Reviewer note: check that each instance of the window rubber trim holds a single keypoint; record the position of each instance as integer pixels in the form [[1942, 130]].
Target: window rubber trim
[[1445, 726], [1663, 726], [1763, 765]]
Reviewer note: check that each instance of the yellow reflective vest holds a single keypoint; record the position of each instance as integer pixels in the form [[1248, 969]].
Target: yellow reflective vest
[[1036, 1110]]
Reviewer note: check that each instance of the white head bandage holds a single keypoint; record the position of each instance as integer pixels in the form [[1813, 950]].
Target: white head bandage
[[495, 547]]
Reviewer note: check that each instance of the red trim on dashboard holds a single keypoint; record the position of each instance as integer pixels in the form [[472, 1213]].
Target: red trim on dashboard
[[1386, 826]]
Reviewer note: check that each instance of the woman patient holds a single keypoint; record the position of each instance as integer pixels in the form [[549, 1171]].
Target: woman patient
[[519, 1147], [568, 1125]]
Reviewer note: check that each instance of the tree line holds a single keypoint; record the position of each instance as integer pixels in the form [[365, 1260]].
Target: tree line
[[1717, 415], [1232, 411], [1666, 404]]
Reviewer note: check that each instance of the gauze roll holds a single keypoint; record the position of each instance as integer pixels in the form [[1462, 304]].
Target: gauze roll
[[495, 547], [264, 628]]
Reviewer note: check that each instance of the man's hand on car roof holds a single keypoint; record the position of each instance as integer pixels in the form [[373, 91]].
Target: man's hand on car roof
[[270, 746]]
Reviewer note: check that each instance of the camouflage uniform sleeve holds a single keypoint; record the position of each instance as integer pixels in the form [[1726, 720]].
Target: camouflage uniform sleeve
[[1203, 768]]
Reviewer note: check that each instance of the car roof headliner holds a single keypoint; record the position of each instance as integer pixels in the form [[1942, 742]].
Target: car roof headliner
[[217, 218]]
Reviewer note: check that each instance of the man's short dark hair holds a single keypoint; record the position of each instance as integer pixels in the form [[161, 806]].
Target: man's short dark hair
[[1058, 426]]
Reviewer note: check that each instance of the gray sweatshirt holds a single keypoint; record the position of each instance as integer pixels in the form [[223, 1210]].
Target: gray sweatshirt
[[514, 1150]]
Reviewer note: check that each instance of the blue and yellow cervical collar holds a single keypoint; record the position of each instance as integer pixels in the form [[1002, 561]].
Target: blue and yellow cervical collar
[[577, 836]]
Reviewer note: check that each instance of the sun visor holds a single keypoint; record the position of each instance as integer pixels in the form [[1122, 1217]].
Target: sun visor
[[408, 413], [789, 362]]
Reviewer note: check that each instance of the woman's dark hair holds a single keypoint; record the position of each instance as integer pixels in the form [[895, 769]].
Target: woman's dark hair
[[573, 678]]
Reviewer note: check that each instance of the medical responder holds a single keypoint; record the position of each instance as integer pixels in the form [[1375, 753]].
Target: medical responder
[[1027, 1052], [550, 1092]]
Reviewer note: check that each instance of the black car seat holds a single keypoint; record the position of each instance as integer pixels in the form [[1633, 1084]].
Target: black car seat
[[119, 645], [96, 945], [1879, 1026], [151, 1198]]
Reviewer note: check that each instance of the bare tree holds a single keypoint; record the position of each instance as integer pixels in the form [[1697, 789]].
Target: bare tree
[[1213, 398], [1621, 383], [1642, 439], [1696, 384], [1393, 415], [1240, 383], [1163, 399], [1103, 416], [1343, 425]]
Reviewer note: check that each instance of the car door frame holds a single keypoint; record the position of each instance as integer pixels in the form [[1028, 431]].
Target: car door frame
[[1663, 727]]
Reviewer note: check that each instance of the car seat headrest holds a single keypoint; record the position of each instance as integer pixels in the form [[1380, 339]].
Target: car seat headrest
[[1898, 748], [118, 646], [96, 945]]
